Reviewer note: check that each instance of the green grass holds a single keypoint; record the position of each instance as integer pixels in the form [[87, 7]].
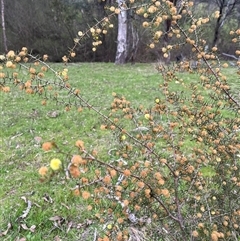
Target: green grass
[[24, 119]]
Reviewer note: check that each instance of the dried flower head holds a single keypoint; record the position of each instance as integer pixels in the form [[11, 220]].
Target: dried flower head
[[43, 171], [86, 195], [10, 54], [46, 146]]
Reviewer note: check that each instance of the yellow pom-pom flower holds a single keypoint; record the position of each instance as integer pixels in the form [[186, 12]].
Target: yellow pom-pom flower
[[147, 116], [109, 226], [55, 164]]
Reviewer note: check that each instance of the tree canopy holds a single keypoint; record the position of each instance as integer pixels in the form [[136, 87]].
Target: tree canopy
[[49, 26]]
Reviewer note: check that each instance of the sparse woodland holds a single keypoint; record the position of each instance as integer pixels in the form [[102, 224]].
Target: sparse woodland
[[50, 27]]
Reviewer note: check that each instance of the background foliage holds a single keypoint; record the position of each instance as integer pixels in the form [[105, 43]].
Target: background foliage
[[50, 27]]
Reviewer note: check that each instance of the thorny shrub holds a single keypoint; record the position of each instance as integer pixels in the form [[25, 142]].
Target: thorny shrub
[[174, 168]]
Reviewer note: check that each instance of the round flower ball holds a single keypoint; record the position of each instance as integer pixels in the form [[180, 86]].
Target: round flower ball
[[55, 164]]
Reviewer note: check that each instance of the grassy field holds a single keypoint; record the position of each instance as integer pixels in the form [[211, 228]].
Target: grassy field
[[25, 124]]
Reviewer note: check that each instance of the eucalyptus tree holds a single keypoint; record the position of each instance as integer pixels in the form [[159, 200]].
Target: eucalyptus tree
[[3, 26], [121, 54], [225, 9]]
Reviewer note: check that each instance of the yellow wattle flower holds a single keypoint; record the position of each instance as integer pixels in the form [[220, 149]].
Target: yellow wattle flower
[[147, 116], [55, 164], [109, 226]]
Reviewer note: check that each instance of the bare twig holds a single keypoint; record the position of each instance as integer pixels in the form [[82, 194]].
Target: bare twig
[[230, 56], [27, 210]]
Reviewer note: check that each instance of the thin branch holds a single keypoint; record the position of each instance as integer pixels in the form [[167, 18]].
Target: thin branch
[[226, 92], [139, 179]]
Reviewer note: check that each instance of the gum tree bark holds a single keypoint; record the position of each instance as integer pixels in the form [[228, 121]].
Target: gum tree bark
[[168, 24], [121, 54], [3, 27], [132, 40]]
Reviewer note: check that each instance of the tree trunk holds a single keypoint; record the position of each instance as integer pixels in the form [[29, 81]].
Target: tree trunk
[[226, 7], [3, 27], [218, 24], [133, 40], [216, 32], [121, 54], [168, 24]]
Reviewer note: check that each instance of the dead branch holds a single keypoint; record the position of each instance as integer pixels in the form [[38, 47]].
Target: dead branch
[[230, 56]]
